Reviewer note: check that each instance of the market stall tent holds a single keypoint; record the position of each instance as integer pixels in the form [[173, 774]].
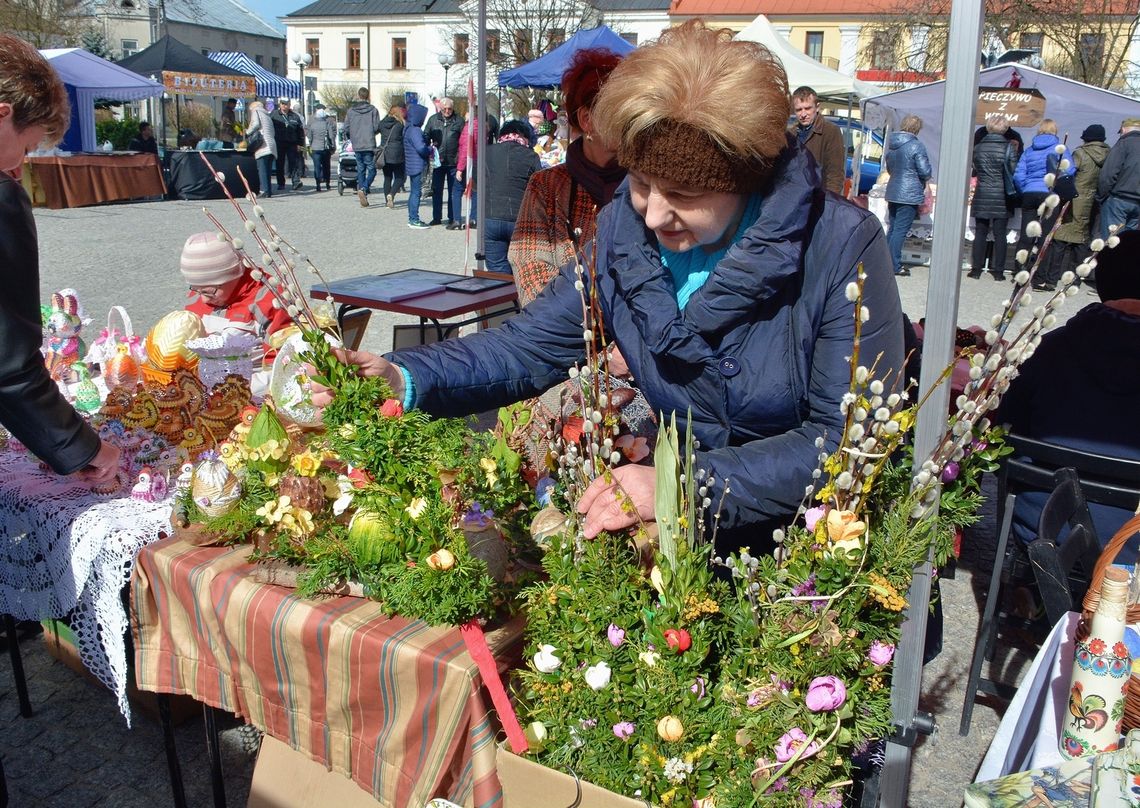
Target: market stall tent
[[89, 77], [185, 71], [269, 85], [802, 69], [1070, 103], [546, 71]]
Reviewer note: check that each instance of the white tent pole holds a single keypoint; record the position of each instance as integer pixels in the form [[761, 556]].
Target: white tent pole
[[941, 320], [480, 148]]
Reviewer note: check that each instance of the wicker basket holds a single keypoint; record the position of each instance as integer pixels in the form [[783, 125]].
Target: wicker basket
[[1107, 556]]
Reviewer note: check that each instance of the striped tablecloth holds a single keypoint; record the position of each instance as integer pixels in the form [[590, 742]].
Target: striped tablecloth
[[394, 704]]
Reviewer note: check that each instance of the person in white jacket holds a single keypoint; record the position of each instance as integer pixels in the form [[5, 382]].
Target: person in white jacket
[[266, 152]]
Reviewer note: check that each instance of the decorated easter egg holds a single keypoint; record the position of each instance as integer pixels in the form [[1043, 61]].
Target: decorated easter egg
[[214, 487], [121, 369], [166, 349]]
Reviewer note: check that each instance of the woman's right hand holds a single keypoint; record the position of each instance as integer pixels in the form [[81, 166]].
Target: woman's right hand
[[369, 364]]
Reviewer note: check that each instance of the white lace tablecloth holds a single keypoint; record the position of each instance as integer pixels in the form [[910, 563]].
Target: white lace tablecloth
[[65, 550]]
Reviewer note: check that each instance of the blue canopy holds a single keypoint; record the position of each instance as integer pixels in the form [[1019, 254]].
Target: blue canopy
[[546, 71], [269, 85]]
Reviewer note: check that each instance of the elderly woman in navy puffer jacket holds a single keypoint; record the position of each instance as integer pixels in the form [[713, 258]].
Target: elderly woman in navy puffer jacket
[[909, 167], [1039, 159], [720, 270]]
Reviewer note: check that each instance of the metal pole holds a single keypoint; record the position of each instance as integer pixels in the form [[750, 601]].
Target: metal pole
[[941, 315], [480, 163]]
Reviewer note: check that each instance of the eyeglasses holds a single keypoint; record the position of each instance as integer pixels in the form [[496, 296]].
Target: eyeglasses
[[206, 291]]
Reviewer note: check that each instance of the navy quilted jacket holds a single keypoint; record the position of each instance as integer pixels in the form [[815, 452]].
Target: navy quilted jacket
[[759, 353], [909, 167]]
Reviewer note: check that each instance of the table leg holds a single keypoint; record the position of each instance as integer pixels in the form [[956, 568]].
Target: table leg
[[17, 666], [213, 746], [172, 764]]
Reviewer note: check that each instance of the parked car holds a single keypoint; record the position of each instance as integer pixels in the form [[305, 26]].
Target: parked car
[[871, 160]]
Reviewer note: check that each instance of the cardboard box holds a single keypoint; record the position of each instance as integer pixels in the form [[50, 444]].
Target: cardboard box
[[59, 640], [527, 784], [285, 778]]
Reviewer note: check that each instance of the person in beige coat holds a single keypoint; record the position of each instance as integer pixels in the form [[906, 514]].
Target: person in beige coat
[[261, 124], [820, 137]]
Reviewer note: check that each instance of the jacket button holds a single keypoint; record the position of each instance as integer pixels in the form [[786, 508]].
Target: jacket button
[[729, 367]]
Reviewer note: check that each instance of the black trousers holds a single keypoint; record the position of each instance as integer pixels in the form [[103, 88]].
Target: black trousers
[[393, 178], [1029, 204], [288, 157], [982, 229]]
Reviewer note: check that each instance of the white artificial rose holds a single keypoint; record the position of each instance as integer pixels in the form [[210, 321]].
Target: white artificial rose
[[597, 676], [545, 661]]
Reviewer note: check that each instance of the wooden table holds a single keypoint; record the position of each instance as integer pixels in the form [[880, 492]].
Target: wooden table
[[392, 703], [438, 308], [92, 179]]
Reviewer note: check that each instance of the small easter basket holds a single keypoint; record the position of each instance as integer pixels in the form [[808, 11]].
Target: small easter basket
[[115, 334]]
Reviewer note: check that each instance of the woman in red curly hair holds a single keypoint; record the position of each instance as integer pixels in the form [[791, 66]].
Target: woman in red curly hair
[[564, 199]]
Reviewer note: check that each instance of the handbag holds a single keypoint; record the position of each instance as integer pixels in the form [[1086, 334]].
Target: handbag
[[1012, 195], [254, 141]]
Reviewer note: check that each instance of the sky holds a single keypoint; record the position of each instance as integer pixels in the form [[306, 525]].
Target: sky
[[272, 9]]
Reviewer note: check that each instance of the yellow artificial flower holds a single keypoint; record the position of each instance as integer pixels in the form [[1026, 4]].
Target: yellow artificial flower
[[307, 463], [273, 512], [416, 507], [843, 526], [303, 522], [489, 465]]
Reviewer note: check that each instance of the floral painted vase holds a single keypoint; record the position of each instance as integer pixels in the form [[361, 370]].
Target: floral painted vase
[[1101, 667]]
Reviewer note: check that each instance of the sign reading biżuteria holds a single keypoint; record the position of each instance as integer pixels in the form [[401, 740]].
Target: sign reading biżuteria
[[1023, 108]]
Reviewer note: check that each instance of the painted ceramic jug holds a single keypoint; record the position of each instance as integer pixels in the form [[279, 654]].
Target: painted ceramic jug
[[1101, 667]]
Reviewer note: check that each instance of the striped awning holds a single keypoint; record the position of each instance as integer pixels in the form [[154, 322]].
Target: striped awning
[[269, 85]]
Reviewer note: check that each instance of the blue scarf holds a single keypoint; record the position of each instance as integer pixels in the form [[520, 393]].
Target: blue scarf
[[690, 269]]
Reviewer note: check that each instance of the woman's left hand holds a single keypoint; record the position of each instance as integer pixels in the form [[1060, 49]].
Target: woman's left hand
[[602, 501]]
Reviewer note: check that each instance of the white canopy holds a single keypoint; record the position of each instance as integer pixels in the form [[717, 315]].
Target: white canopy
[[802, 69], [1070, 103]]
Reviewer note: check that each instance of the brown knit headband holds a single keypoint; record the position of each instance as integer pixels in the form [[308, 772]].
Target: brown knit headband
[[677, 151]]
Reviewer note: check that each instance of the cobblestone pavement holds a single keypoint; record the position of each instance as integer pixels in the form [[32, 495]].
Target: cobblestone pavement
[[77, 751]]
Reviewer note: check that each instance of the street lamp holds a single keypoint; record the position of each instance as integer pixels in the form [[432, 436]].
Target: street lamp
[[447, 60], [303, 60]]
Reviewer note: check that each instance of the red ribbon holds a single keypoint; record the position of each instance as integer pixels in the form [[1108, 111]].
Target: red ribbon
[[476, 643]]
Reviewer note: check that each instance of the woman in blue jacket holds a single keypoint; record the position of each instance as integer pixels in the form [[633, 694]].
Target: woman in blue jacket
[[909, 167], [416, 153], [1039, 159], [720, 268]]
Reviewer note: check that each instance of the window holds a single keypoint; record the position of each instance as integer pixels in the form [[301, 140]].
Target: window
[[1092, 51], [521, 48], [494, 46], [399, 53], [554, 38], [352, 60], [813, 45], [275, 64], [883, 51], [630, 38], [129, 47], [461, 48], [259, 59], [313, 48], [205, 51], [1031, 40], [128, 4]]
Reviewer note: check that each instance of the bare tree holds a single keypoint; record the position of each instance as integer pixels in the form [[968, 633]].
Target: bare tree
[[517, 32], [1087, 40], [43, 23]]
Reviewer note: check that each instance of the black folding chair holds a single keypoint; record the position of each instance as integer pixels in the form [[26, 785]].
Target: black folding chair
[[1106, 480]]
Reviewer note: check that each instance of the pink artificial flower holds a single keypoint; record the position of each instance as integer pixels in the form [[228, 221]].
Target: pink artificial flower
[[615, 635], [698, 687], [792, 742], [813, 515], [881, 653], [624, 729], [391, 408], [825, 693], [634, 449]]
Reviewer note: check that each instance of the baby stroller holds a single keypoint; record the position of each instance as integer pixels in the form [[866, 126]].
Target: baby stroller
[[346, 169]]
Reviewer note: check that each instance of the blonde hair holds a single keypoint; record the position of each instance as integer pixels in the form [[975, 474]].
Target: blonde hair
[[255, 105], [1047, 127], [912, 124], [696, 76]]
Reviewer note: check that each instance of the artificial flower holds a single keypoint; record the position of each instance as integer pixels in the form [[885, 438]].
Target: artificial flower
[[794, 742], [670, 728], [300, 522], [678, 639], [677, 770], [812, 517], [307, 463], [624, 729], [476, 518], [598, 676], [545, 660], [825, 693], [615, 635], [881, 653], [950, 473], [273, 511], [698, 687], [441, 560], [649, 658], [344, 494], [360, 478], [416, 507], [635, 449], [843, 525], [490, 467], [535, 733], [657, 580], [391, 408]]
